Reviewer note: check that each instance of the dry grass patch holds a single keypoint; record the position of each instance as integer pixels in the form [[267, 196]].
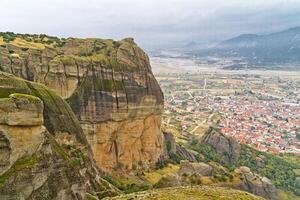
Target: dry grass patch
[[1, 41], [193, 193], [155, 176], [19, 42], [203, 128], [286, 195]]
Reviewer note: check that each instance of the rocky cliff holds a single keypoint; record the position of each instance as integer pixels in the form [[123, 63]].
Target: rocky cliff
[[43, 151], [226, 147], [108, 84]]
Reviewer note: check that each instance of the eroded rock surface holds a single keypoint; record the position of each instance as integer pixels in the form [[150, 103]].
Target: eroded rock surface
[[34, 163], [227, 147], [21, 110], [108, 84], [256, 184]]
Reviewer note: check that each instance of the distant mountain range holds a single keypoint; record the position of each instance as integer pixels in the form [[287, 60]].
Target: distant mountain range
[[276, 48]]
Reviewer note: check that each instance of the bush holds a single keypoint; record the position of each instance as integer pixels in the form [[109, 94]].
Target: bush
[[161, 164], [169, 146], [220, 177]]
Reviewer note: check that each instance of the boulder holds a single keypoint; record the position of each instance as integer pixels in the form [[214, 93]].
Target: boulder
[[188, 168], [260, 163], [170, 180], [21, 110], [256, 184]]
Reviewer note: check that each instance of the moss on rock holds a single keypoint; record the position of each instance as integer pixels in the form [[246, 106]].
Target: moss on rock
[[58, 116], [22, 163]]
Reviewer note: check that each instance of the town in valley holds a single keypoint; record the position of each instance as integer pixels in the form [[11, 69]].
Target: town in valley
[[257, 108]]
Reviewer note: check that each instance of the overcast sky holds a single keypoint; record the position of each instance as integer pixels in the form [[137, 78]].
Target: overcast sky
[[151, 22]]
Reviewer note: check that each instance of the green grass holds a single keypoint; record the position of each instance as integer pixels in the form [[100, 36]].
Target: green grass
[[155, 176], [286, 195], [33, 38], [30, 98], [127, 184]]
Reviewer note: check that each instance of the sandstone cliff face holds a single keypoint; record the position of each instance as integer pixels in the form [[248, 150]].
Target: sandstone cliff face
[[108, 84], [41, 157]]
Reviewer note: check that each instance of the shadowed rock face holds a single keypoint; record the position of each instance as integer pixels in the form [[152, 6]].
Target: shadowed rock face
[[108, 84], [176, 149]]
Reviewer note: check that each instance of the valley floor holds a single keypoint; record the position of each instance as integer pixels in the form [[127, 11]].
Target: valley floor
[[257, 107]]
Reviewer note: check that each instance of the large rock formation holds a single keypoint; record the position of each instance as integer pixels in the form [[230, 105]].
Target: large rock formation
[[227, 147], [43, 151], [223, 148], [256, 184], [108, 84]]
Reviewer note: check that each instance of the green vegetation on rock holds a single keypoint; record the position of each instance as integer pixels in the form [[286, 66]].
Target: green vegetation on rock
[[30, 98], [20, 164], [279, 170], [58, 115], [36, 38]]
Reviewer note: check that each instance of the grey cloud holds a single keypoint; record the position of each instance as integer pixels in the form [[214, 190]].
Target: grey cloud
[[153, 23]]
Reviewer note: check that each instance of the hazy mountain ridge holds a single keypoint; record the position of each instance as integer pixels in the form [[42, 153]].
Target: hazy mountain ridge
[[279, 50], [280, 47]]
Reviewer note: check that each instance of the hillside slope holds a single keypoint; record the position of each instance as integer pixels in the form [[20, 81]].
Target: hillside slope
[[214, 146], [196, 193]]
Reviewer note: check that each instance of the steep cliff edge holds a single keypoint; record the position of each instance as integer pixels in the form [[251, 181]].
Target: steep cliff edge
[[43, 151], [108, 84]]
